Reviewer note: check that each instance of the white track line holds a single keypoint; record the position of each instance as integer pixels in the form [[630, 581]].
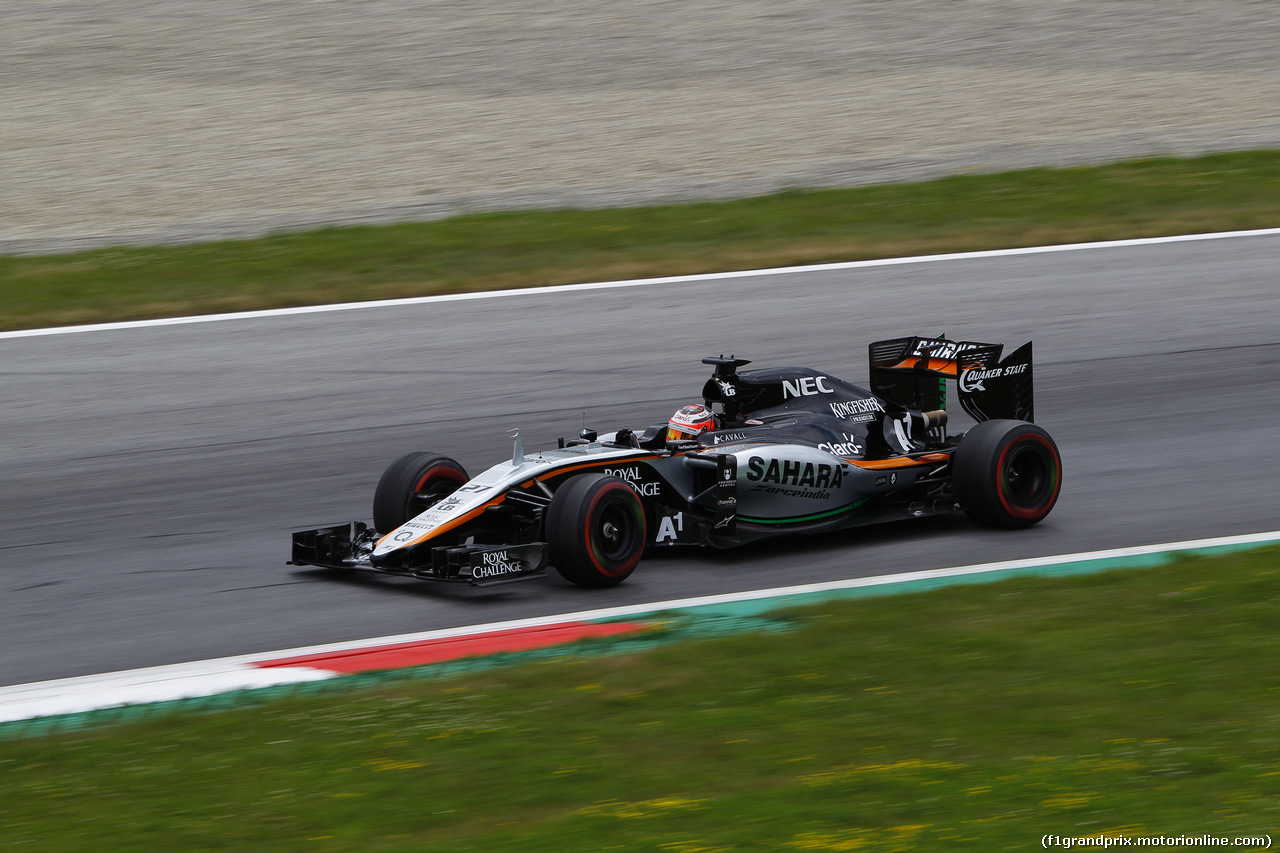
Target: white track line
[[221, 675], [778, 592], [143, 686], [640, 282]]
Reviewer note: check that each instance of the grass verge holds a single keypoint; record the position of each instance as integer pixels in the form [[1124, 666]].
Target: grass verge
[[1140, 702], [509, 250]]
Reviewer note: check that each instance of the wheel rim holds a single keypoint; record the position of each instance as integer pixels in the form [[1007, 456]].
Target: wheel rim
[[614, 533], [1028, 476]]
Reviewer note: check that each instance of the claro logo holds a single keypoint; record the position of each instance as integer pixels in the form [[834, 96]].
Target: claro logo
[[848, 446]]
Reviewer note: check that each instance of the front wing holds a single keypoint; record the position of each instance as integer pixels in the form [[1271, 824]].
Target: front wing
[[347, 546]]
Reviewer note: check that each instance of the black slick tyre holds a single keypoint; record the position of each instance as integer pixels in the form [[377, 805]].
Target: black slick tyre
[[411, 485], [1007, 473], [595, 530]]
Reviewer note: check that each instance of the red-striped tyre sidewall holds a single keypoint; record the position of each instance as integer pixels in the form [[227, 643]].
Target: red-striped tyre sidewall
[[582, 513], [631, 507], [411, 474], [1007, 473], [1053, 473]]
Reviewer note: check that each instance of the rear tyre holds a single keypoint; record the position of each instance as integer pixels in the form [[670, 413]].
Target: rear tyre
[[1007, 473], [595, 530], [412, 484]]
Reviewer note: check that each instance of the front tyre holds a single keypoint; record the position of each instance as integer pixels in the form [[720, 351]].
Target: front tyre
[[1007, 473], [595, 530], [411, 485]]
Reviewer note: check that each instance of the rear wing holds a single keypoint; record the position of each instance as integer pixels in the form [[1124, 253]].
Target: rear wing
[[913, 372]]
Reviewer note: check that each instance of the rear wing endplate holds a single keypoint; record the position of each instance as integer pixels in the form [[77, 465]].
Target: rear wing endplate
[[913, 372]]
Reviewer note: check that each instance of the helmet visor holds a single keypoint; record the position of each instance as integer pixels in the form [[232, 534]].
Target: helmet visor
[[675, 433]]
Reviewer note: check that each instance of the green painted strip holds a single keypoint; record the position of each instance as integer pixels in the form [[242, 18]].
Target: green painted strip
[[799, 518], [888, 586], [696, 621]]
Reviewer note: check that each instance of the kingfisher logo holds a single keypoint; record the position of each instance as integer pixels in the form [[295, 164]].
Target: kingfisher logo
[[856, 410]]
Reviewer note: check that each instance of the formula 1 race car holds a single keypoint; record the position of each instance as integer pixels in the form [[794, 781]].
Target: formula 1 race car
[[786, 450]]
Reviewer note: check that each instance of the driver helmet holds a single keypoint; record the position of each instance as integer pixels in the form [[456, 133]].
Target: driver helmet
[[686, 424]]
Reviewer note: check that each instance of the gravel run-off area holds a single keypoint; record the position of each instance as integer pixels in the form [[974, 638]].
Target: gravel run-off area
[[166, 121]]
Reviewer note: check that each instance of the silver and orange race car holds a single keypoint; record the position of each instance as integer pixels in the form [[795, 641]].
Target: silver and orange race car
[[787, 450]]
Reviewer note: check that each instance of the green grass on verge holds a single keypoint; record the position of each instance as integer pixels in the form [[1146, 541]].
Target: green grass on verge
[[974, 718], [502, 250]]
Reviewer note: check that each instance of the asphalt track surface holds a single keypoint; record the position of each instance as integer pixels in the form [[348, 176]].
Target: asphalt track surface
[[149, 478]]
